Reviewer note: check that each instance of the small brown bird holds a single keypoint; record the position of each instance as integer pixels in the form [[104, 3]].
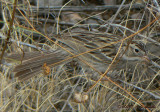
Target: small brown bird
[[103, 48]]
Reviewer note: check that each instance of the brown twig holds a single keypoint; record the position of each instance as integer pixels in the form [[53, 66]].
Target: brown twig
[[9, 31]]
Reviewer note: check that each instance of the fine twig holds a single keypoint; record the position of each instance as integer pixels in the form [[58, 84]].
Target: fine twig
[[9, 31], [86, 8], [22, 43], [150, 93]]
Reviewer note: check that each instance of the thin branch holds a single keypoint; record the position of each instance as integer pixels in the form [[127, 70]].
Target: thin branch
[[9, 31], [157, 5], [83, 8], [150, 93], [114, 17], [22, 43], [87, 8]]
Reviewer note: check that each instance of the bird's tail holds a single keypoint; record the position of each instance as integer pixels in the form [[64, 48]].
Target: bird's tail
[[32, 63]]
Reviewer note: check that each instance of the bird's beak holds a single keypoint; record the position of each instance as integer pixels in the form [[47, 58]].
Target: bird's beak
[[146, 58]]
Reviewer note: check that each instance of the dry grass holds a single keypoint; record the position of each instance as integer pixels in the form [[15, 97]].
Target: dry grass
[[56, 92]]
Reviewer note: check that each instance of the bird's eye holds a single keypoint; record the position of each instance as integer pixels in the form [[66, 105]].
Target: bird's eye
[[136, 50]]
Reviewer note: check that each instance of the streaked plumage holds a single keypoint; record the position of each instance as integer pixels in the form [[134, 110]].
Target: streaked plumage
[[77, 43]]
